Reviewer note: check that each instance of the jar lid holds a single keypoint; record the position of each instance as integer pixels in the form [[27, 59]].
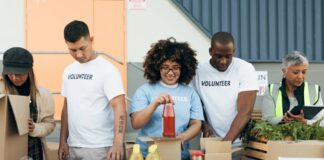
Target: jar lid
[[197, 153]]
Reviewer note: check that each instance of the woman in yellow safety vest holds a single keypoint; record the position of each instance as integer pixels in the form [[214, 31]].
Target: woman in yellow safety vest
[[293, 90]]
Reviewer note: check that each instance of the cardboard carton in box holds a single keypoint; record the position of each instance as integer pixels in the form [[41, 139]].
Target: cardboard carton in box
[[305, 149], [216, 149], [168, 148], [14, 112]]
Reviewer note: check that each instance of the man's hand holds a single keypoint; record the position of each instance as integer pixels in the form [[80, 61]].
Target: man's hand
[[119, 108], [63, 151], [115, 152], [207, 130]]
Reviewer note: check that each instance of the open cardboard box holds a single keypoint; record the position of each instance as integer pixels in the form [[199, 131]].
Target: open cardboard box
[[274, 150], [216, 149], [14, 112], [300, 149], [51, 150], [168, 148]]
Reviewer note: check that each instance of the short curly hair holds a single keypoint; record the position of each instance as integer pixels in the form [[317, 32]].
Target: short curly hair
[[174, 51]]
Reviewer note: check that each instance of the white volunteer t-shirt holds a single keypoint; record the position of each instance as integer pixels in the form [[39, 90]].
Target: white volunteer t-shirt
[[88, 88], [219, 91]]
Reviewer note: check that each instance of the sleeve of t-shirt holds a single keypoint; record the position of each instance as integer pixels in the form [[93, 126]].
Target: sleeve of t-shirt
[[196, 111], [113, 85], [63, 92], [139, 101], [248, 78]]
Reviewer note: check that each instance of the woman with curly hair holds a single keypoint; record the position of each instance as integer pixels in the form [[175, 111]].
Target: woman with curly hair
[[169, 66]]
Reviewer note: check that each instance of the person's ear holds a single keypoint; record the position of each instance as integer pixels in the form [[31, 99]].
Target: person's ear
[[210, 51], [283, 72], [91, 39]]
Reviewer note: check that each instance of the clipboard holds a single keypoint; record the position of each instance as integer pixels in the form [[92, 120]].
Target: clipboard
[[309, 111]]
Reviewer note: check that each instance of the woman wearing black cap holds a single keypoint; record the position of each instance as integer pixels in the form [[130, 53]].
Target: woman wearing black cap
[[18, 79]]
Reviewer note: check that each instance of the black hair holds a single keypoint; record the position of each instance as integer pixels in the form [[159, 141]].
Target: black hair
[[172, 50], [223, 38], [75, 30]]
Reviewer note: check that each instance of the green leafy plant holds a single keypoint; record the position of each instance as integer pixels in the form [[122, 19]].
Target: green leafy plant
[[262, 131]]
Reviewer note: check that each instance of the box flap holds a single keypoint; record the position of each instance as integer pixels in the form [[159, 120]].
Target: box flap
[[166, 139], [2, 95], [152, 139], [20, 108], [145, 139], [203, 140]]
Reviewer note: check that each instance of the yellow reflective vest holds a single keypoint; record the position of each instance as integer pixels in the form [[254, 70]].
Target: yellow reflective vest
[[311, 96]]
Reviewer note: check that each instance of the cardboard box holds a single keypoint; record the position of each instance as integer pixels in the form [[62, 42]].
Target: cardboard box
[[300, 149], [216, 149], [220, 156], [203, 140], [168, 148], [51, 150], [14, 112], [273, 150]]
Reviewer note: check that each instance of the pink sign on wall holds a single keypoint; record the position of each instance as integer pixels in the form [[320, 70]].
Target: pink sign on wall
[[136, 4]]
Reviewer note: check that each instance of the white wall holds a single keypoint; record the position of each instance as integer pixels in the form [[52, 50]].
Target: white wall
[[12, 24], [161, 19]]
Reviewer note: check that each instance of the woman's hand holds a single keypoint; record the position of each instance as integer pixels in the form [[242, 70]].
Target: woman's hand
[[163, 98], [287, 118], [31, 125], [299, 117]]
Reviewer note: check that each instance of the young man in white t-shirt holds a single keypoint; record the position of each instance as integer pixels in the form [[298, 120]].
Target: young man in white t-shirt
[[94, 112], [227, 87]]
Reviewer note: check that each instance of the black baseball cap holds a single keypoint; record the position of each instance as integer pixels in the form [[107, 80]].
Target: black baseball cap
[[17, 60]]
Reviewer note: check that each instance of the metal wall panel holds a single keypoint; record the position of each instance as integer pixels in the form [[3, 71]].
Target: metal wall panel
[[264, 30]]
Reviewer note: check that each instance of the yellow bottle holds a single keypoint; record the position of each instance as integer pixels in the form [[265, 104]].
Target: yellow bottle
[[136, 154], [153, 153]]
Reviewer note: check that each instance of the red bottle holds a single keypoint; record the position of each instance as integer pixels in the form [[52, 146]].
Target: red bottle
[[168, 117]]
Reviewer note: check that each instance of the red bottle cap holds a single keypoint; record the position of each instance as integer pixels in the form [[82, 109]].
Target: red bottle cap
[[197, 153]]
